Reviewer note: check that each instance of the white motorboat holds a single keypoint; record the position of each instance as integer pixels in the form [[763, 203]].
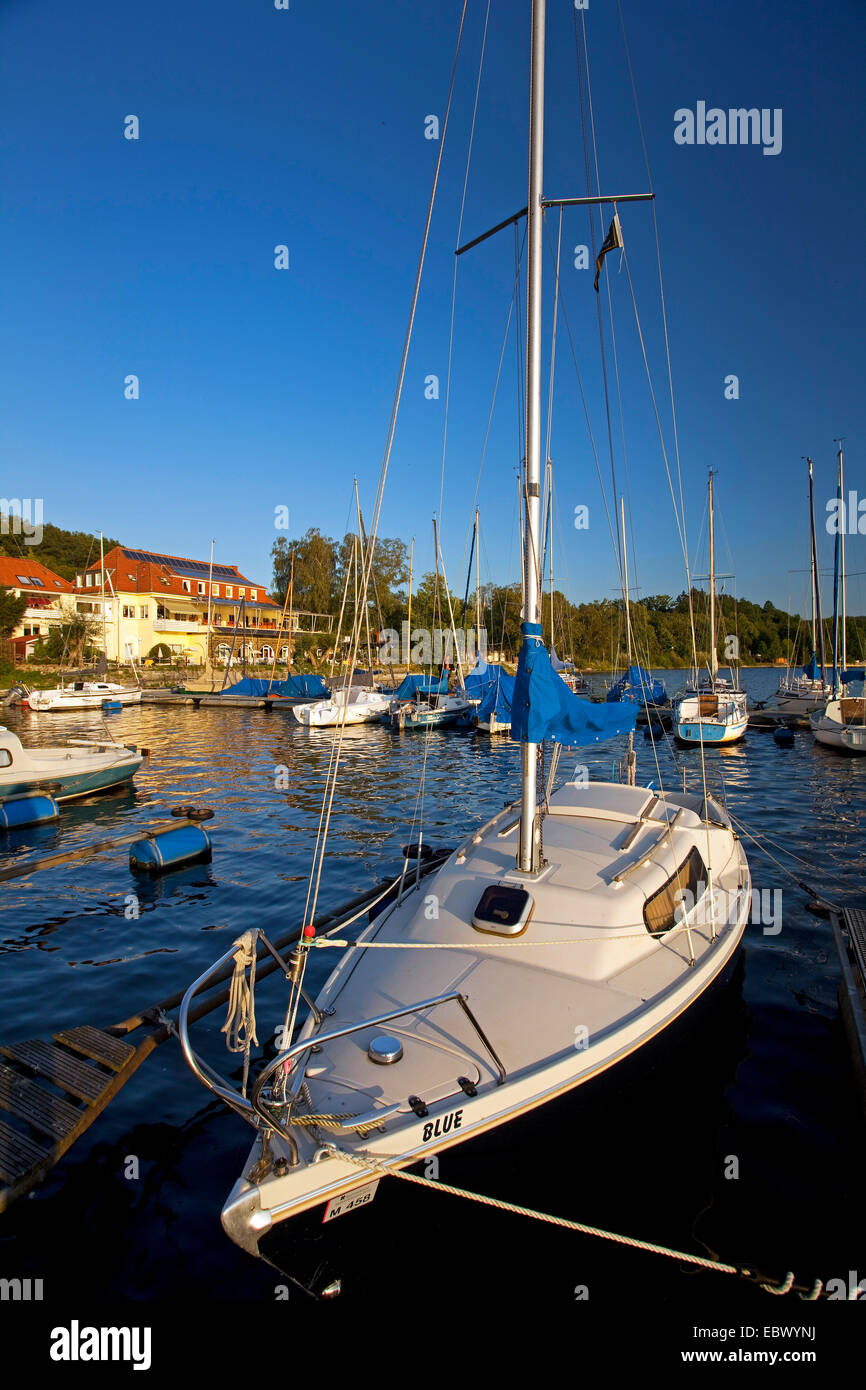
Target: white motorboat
[[555, 942], [73, 769], [363, 706], [82, 695]]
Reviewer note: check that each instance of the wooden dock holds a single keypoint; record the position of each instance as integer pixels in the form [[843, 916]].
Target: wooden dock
[[209, 700], [849, 935]]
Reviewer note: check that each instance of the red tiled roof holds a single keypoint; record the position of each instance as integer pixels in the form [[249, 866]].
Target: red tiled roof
[[156, 577], [14, 572]]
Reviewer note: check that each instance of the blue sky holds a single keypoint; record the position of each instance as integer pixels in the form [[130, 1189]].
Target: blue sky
[[306, 127]]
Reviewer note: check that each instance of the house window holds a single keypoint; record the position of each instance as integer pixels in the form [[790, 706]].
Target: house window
[[142, 612], [664, 908], [187, 587], [241, 593], [88, 581], [201, 587], [254, 593], [128, 611], [229, 591], [267, 653], [215, 590]]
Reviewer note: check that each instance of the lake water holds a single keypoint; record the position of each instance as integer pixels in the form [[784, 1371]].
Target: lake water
[[765, 1077]]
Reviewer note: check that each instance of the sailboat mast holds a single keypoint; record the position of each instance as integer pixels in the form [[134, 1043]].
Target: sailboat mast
[[102, 578], [714, 664], [527, 854], [625, 582], [477, 586], [844, 662], [409, 614], [816, 573]]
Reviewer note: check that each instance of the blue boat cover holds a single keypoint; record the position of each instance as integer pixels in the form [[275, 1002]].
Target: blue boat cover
[[481, 678], [427, 685], [637, 683], [813, 670], [311, 686], [499, 697], [544, 707]]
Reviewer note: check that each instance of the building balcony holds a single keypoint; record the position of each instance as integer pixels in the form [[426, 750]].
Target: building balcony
[[190, 624]]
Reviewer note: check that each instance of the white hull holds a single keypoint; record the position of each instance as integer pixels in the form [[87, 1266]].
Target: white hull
[[800, 697], [718, 717], [83, 695], [366, 707], [841, 724], [556, 1015], [74, 769]]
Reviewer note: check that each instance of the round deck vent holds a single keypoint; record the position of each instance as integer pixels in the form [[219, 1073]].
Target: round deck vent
[[384, 1049]]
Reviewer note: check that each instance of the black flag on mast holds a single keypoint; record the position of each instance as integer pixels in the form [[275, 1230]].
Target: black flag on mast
[[612, 242]]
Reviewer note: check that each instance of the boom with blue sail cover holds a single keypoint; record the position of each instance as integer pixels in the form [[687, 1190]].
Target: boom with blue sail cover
[[544, 707]]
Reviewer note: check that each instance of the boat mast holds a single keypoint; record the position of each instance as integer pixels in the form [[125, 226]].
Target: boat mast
[[550, 540], [714, 663], [844, 662], [528, 851], [625, 582], [409, 614], [477, 586], [816, 573], [102, 579], [207, 655]]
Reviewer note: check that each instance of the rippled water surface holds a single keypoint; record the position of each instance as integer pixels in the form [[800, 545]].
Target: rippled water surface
[[764, 1077]]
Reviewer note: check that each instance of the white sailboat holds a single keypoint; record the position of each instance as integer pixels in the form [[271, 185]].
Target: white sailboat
[[802, 692], [841, 722], [714, 710], [432, 1030]]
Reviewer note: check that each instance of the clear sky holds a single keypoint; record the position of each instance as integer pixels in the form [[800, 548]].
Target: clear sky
[[305, 127]]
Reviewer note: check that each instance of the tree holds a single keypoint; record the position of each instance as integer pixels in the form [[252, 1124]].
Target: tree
[[314, 583], [11, 611]]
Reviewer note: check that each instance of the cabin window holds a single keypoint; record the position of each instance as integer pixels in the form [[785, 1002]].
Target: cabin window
[[5, 757], [660, 910]]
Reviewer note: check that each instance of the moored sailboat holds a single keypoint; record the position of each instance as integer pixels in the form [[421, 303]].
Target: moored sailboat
[[841, 722], [435, 1028], [712, 710]]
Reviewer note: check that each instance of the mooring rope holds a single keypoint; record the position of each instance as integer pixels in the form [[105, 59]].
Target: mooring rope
[[371, 1164]]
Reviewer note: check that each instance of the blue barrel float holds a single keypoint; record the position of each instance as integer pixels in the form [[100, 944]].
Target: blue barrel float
[[170, 849], [28, 809], [783, 737], [111, 706]]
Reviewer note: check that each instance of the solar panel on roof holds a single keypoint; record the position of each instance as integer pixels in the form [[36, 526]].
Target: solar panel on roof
[[193, 568]]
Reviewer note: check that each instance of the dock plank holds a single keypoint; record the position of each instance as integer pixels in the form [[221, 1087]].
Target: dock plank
[[75, 1077], [99, 1046], [18, 1154], [855, 922], [41, 1109]]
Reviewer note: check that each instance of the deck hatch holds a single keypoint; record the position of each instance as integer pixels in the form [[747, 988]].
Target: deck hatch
[[503, 909]]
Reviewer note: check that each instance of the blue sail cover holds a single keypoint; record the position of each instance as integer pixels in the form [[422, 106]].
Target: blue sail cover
[[313, 687], [544, 707], [499, 697], [813, 670], [638, 684], [427, 685]]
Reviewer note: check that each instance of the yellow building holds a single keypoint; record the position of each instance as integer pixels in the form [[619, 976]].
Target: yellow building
[[164, 606]]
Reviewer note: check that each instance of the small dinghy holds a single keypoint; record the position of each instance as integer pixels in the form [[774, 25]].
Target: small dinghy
[[63, 772]]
